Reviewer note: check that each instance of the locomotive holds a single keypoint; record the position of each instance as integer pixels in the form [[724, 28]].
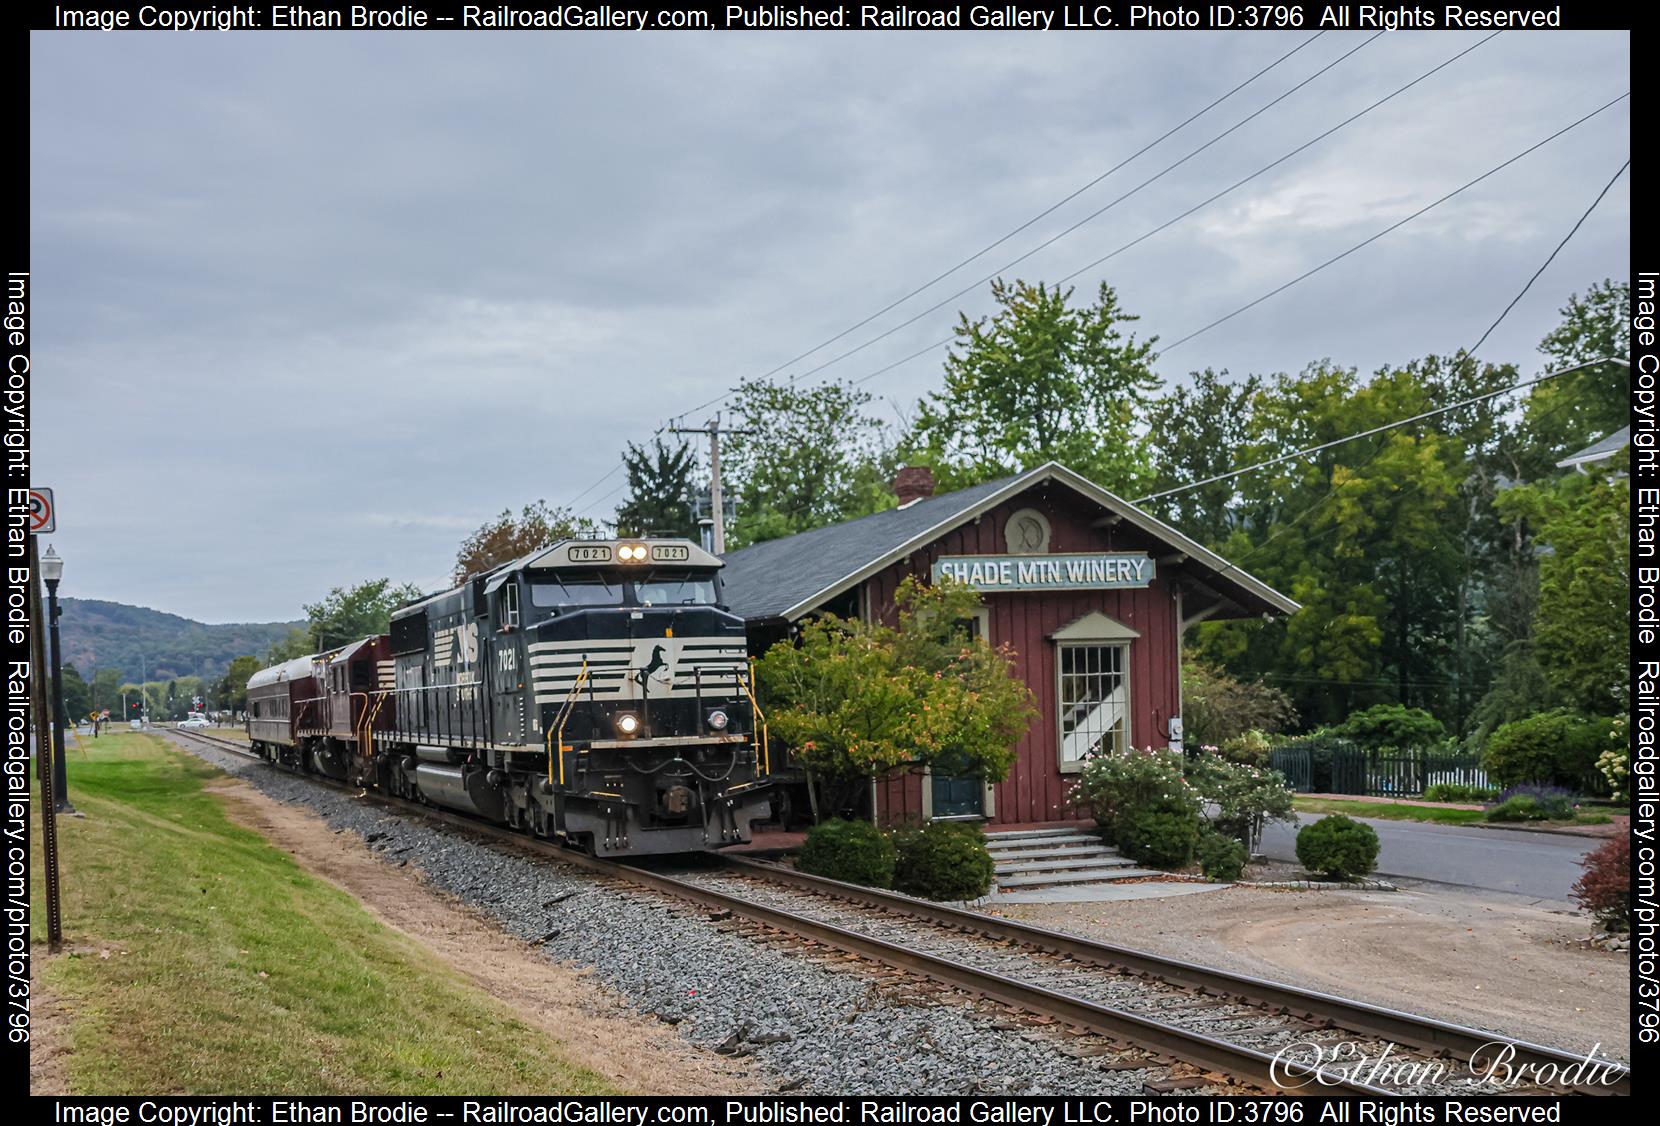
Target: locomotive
[[595, 691]]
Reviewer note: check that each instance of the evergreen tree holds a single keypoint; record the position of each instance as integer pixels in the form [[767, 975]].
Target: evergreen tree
[[660, 489]]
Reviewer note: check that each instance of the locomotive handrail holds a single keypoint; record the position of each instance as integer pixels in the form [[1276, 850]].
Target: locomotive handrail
[[764, 756], [558, 727]]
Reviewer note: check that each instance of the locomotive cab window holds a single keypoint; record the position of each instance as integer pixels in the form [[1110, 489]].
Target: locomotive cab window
[[675, 589], [575, 590], [510, 606]]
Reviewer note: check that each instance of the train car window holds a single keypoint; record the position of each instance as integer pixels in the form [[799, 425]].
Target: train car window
[[671, 589], [575, 590], [510, 606]]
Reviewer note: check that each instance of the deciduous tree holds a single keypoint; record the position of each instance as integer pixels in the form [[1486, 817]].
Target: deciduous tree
[[507, 537]]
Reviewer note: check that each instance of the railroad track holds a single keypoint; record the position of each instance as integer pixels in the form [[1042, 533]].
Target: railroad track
[[1220, 1023]]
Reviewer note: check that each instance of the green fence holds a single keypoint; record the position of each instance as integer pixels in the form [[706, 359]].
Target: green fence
[[1338, 766]]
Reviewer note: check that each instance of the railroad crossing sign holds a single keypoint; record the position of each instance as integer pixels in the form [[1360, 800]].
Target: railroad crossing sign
[[43, 515]]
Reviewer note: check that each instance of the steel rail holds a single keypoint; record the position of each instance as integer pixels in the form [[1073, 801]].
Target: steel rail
[[1424, 1033], [1166, 1041]]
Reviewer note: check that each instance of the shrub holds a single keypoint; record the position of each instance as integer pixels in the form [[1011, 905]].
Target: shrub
[[1245, 797], [1555, 803], [944, 860], [855, 851], [1614, 764], [1522, 807], [1605, 888], [1459, 792], [1162, 834], [1338, 846], [1392, 725], [1113, 784], [1221, 858], [1557, 746], [1250, 748]]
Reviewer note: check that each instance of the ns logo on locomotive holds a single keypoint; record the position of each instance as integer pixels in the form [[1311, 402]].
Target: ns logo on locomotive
[[595, 691]]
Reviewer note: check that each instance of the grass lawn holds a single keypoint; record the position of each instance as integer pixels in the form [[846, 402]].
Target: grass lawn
[[201, 960], [1391, 811]]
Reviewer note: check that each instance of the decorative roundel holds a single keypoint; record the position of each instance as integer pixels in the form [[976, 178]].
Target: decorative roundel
[[1027, 532]]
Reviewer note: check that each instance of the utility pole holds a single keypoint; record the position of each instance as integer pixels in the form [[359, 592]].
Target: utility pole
[[713, 430], [41, 714]]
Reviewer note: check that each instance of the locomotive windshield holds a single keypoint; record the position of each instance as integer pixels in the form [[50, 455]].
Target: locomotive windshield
[[669, 589], [576, 590]]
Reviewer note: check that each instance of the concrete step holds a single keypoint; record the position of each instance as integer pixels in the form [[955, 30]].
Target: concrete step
[[1069, 851], [1090, 877], [1059, 865], [1024, 834], [1042, 842]]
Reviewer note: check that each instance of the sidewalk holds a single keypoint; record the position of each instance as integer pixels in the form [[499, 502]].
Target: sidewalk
[[1396, 801]]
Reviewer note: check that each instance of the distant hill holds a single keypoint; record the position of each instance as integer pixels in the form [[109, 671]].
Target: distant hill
[[101, 635]]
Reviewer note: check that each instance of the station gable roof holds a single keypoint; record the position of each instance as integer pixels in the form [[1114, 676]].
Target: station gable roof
[[790, 577]]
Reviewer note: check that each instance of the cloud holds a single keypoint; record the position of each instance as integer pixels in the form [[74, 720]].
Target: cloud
[[311, 308]]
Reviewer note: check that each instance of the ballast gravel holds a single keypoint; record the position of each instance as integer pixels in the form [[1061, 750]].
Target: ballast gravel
[[814, 1030]]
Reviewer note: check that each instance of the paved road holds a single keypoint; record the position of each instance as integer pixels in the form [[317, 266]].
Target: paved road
[[1543, 865]]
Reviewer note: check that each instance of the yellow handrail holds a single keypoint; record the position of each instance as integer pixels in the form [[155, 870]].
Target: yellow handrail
[[764, 750], [558, 725]]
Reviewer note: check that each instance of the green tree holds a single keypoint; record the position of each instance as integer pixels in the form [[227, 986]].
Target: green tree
[[298, 643], [660, 489], [1569, 413], [232, 691], [351, 613], [855, 699], [106, 691], [1041, 380], [1582, 622], [813, 456], [77, 696], [507, 537], [1197, 431]]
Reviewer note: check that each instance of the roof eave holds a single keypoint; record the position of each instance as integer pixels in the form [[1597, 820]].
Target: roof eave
[[1053, 471]]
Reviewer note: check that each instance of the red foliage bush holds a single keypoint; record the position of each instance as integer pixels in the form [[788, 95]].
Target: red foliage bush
[[1605, 888]]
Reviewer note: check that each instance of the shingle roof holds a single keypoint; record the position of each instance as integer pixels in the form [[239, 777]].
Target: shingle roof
[[1600, 450], [770, 578], [791, 576]]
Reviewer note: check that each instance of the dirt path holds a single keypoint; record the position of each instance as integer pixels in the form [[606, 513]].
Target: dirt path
[[593, 1027], [1493, 961]]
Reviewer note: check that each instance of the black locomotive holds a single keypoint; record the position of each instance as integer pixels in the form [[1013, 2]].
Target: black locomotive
[[594, 691]]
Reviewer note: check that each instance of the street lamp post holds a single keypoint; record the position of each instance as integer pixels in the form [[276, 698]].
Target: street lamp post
[[51, 569]]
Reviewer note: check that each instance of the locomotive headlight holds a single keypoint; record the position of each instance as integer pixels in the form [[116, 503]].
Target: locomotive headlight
[[632, 552], [626, 723], [718, 719]]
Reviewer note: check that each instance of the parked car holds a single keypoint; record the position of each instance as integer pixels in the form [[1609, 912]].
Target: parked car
[[197, 720]]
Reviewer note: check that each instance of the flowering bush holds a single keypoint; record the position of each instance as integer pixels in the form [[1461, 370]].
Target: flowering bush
[[1250, 748], [1112, 784], [1240, 799], [1614, 764], [1605, 888]]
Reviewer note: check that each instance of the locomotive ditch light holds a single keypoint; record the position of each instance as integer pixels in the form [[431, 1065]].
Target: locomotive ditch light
[[718, 719], [626, 723]]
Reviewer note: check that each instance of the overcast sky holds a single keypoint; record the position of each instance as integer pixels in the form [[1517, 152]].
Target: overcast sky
[[309, 308]]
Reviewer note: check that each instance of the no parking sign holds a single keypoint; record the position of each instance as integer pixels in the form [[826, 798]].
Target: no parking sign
[[43, 514]]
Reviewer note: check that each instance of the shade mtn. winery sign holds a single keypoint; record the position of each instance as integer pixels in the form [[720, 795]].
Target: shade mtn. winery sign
[[1090, 571]]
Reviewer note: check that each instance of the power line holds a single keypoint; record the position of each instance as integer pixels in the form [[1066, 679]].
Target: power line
[[1107, 207], [1396, 226], [1201, 205], [1368, 433], [1338, 483], [993, 245], [1046, 212]]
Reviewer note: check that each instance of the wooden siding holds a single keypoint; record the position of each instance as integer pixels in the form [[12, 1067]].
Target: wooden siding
[[1036, 789]]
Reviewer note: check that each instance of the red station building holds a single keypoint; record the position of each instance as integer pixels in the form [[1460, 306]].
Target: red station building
[[1091, 593]]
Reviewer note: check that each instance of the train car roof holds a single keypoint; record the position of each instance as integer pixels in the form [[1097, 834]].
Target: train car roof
[[288, 670]]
